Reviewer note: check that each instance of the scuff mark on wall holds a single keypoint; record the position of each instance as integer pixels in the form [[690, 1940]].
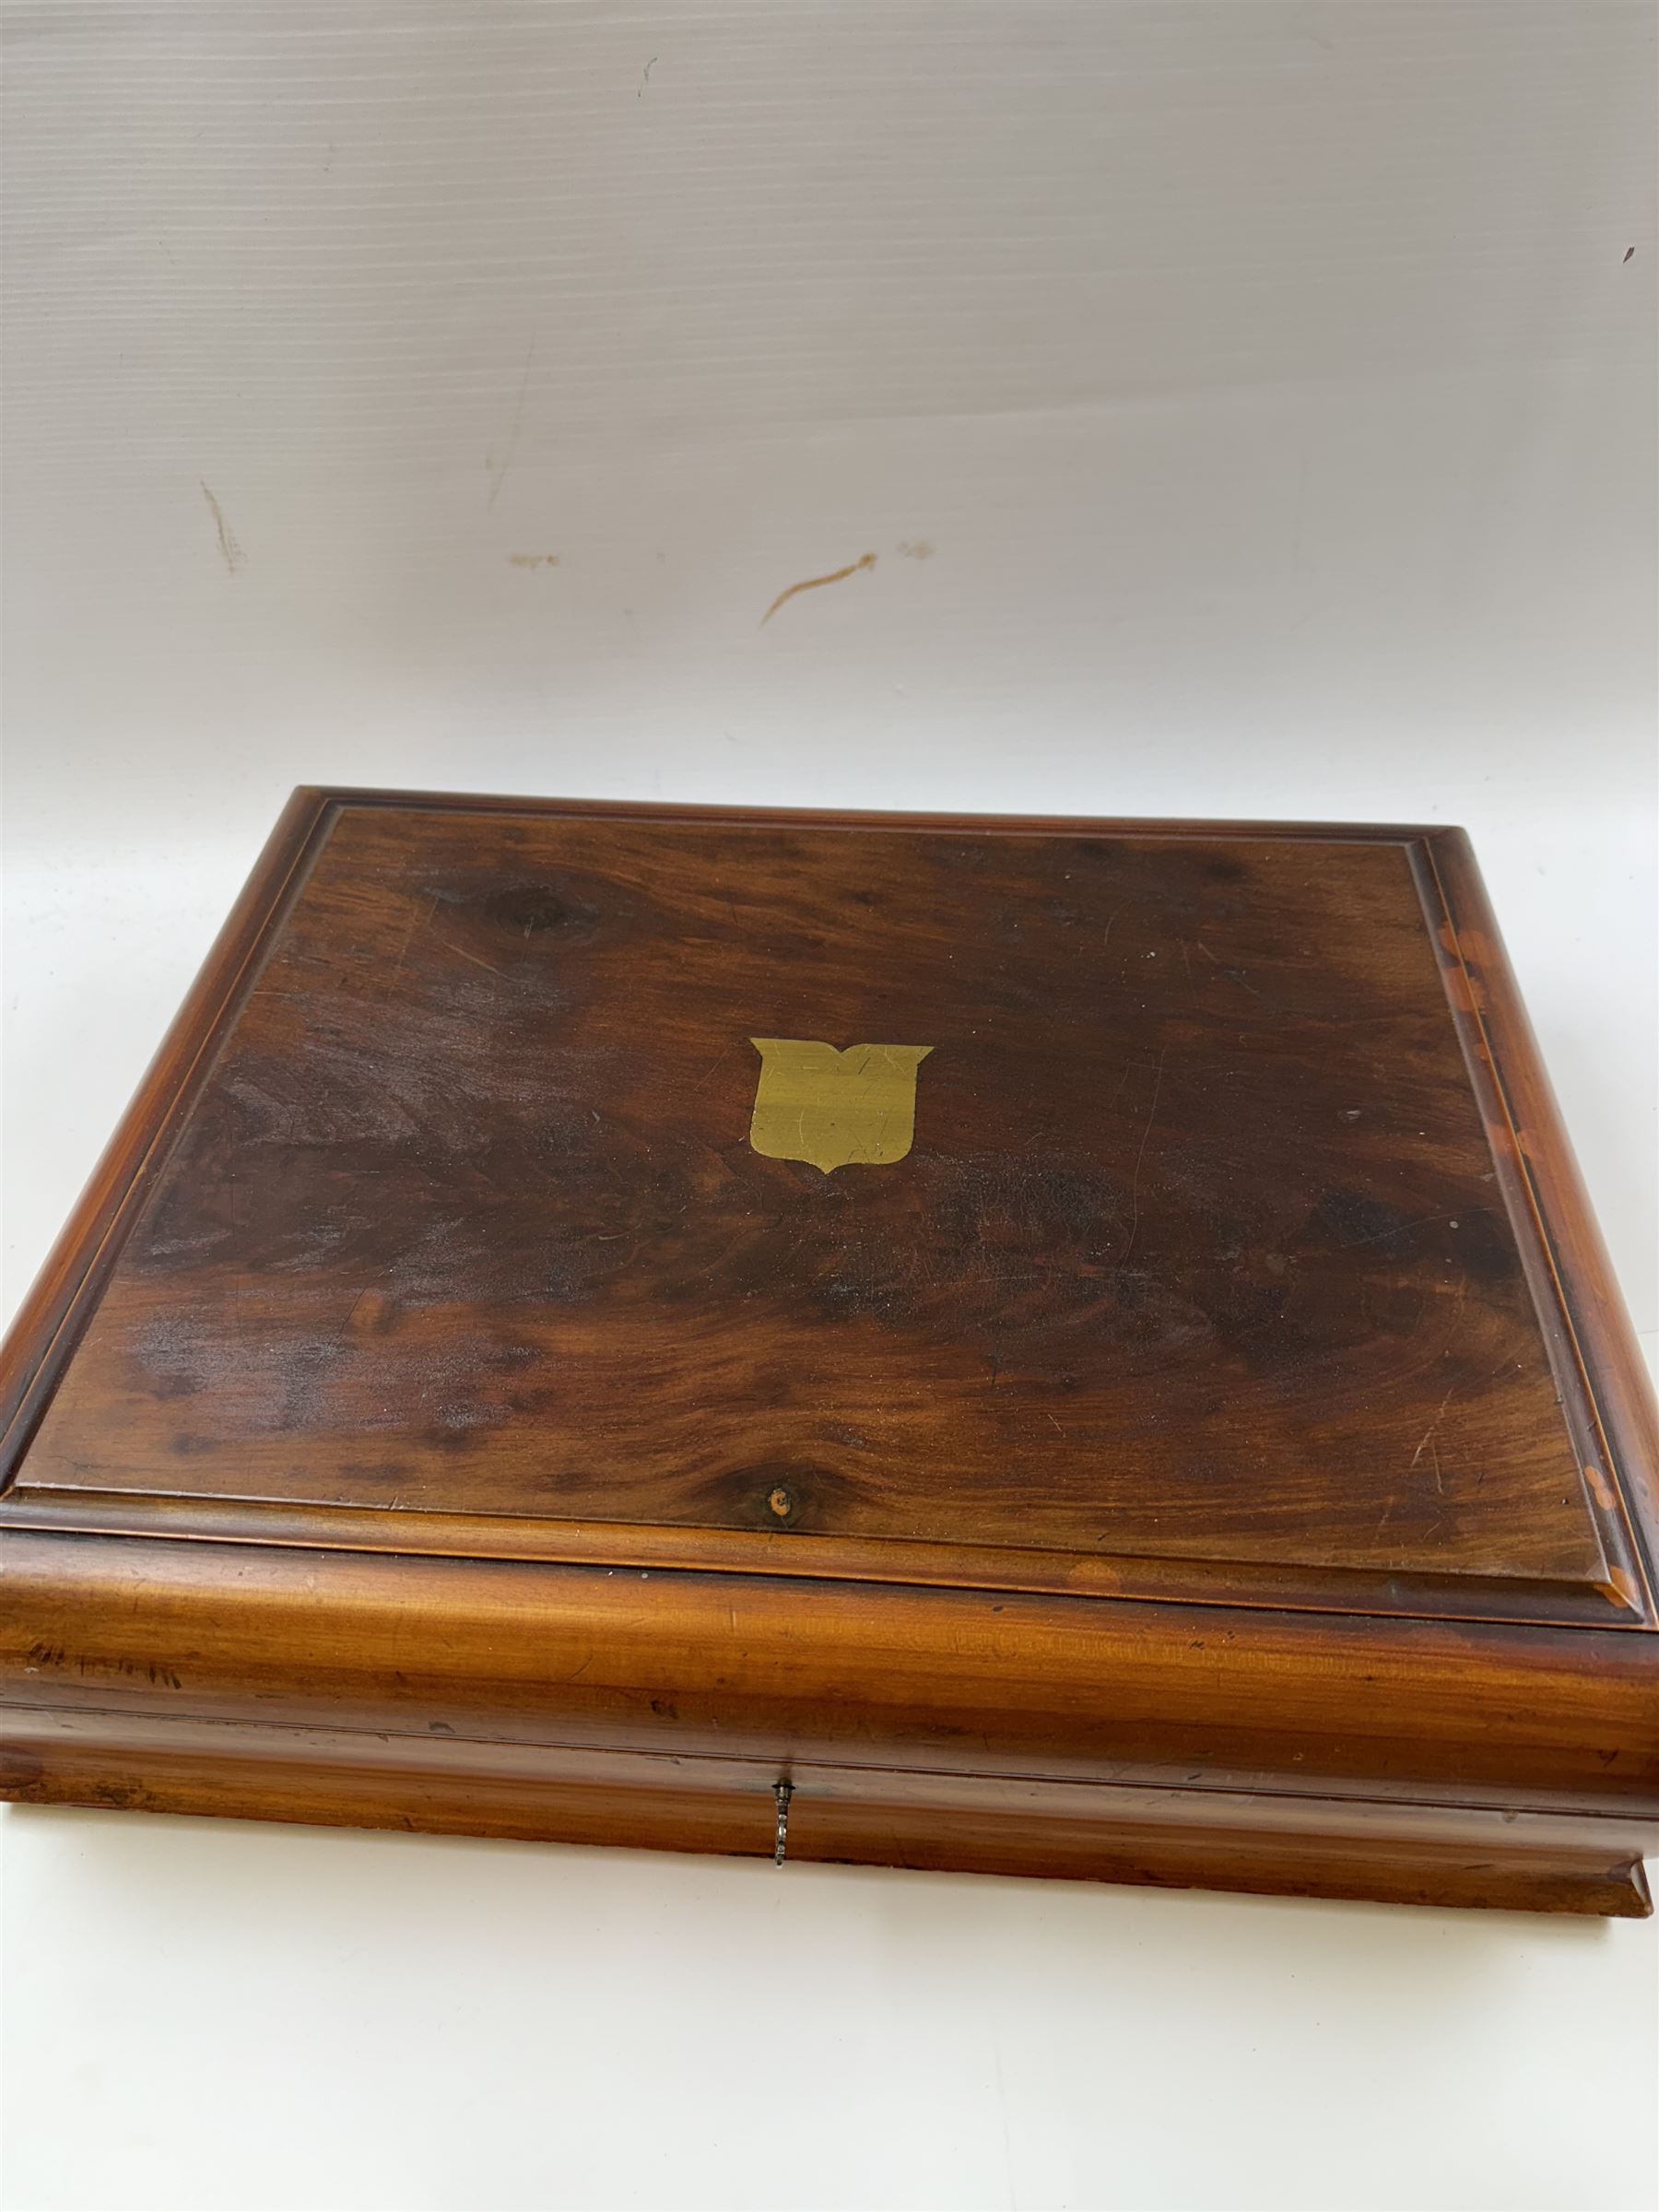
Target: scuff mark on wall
[[518, 418], [811, 583], [234, 557]]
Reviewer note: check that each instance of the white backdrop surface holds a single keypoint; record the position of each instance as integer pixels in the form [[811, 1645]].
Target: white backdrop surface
[[1248, 408]]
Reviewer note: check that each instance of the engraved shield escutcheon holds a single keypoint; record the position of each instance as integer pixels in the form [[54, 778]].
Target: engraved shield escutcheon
[[835, 1109]]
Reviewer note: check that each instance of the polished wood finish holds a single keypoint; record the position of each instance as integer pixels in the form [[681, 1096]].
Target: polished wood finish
[[950, 1824], [765, 1667], [1225, 1397]]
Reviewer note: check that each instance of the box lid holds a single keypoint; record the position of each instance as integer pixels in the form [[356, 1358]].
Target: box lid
[[1158, 1210]]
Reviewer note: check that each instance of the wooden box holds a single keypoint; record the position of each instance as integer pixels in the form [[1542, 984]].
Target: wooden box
[[1044, 1347]]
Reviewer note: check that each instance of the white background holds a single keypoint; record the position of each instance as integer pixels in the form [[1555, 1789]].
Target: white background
[[1248, 407]]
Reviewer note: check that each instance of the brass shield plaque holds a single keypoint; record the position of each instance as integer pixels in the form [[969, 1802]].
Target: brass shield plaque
[[833, 1108]]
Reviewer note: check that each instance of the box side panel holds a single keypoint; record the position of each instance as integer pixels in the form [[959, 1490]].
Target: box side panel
[[1619, 1416], [61, 1302]]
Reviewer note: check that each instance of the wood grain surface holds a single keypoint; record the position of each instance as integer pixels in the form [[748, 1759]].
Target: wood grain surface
[[439, 1402], [1201, 1251]]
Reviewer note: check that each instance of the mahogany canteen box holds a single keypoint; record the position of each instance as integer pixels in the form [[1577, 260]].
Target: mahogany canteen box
[[1036, 1347]]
